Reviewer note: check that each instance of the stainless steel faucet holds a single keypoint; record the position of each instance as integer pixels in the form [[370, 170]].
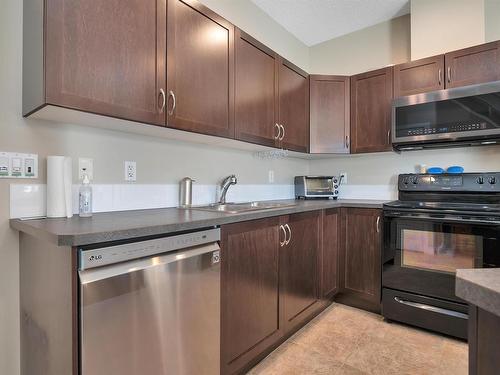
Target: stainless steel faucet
[[224, 186]]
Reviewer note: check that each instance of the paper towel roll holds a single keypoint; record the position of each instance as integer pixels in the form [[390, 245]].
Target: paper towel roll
[[59, 181]]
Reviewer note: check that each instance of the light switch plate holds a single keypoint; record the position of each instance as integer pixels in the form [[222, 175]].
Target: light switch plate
[[18, 165]]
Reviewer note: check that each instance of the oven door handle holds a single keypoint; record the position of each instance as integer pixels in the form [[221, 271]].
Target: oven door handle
[[435, 309], [444, 219]]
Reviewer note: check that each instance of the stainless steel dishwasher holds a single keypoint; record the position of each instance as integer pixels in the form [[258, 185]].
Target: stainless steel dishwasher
[[151, 307]]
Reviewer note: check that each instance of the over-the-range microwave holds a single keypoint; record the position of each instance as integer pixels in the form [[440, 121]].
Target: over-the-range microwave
[[463, 116]]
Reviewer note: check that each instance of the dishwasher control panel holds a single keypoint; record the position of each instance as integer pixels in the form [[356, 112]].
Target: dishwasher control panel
[[102, 256]]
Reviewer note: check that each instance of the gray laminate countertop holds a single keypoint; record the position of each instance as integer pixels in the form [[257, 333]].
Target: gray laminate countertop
[[114, 226], [480, 287]]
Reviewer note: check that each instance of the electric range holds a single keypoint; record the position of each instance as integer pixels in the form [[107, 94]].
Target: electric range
[[440, 223]]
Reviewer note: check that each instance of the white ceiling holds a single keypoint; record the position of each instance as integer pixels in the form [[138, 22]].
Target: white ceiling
[[315, 21]]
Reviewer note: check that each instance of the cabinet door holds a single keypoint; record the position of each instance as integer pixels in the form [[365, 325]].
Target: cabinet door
[[361, 256], [250, 291], [107, 57], [200, 70], [371, 97], [299, 265], [330, 253], [294, 107], [330, 114], [473, 65], [256, 92], [419, 76]]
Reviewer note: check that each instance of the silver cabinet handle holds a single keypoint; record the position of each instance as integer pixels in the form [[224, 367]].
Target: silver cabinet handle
[[378, 224], [163, 101], [389, 137], [282, 243], [435, 309], [171, 111], [440, 76], [279, 131], [346, 141], [290, 234], [449, 74], [283, 133]]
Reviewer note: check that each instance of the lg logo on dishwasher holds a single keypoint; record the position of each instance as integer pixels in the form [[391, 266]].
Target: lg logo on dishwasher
[[95, 257]]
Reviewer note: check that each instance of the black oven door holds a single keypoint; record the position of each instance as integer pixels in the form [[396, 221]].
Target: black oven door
[[422, 251]]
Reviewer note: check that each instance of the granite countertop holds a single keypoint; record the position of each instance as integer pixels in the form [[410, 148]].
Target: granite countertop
[[113, 226], [480, 287]]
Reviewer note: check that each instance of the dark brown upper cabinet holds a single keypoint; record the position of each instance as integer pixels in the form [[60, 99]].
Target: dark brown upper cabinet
[[371, 99], [299, 268], [360, 258], [256, 92], [105, 57], [293, 107], [419, 76], [469, 66], [250, 291], [473, 65], [330, 243], [329, 114], [200, 70]]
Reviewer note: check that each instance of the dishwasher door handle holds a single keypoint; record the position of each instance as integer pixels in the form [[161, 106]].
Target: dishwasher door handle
[[107, 272]]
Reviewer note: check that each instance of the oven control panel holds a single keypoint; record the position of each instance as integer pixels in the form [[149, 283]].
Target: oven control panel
[[464, 182]]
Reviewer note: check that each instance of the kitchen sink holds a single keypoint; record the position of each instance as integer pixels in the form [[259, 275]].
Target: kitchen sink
[[234, 208]]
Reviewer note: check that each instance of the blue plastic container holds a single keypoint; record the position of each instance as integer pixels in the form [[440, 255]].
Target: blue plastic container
[[435, 170], [455, 169]]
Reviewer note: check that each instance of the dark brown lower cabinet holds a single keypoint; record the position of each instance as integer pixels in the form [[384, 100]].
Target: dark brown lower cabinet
[[484, 336], [272, 282], [330, 253], [360, 258], [250, 292], [299, 269]]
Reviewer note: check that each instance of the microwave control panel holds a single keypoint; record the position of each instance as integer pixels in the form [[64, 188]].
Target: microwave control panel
[[441, 129]]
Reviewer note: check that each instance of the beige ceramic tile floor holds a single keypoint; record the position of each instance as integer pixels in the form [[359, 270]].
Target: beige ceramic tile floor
[[345, 340]]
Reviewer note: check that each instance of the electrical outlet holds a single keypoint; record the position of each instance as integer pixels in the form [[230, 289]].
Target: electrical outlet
[[271, 177], [87, 165], [344, 179], [130, 171]]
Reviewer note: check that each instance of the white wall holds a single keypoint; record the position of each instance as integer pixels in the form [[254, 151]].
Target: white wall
[[492, 20], [253, 20], [383, 168], [158, 160], [445, 25], [363, 50]]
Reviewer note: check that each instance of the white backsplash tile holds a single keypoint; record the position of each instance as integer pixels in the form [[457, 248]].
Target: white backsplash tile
[[380, 192], [28, 200]]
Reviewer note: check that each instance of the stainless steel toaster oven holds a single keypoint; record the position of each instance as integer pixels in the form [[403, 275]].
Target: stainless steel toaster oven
[[307, 187]]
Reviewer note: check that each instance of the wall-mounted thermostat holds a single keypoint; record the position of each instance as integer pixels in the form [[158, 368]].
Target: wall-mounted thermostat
[[17, 165]]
